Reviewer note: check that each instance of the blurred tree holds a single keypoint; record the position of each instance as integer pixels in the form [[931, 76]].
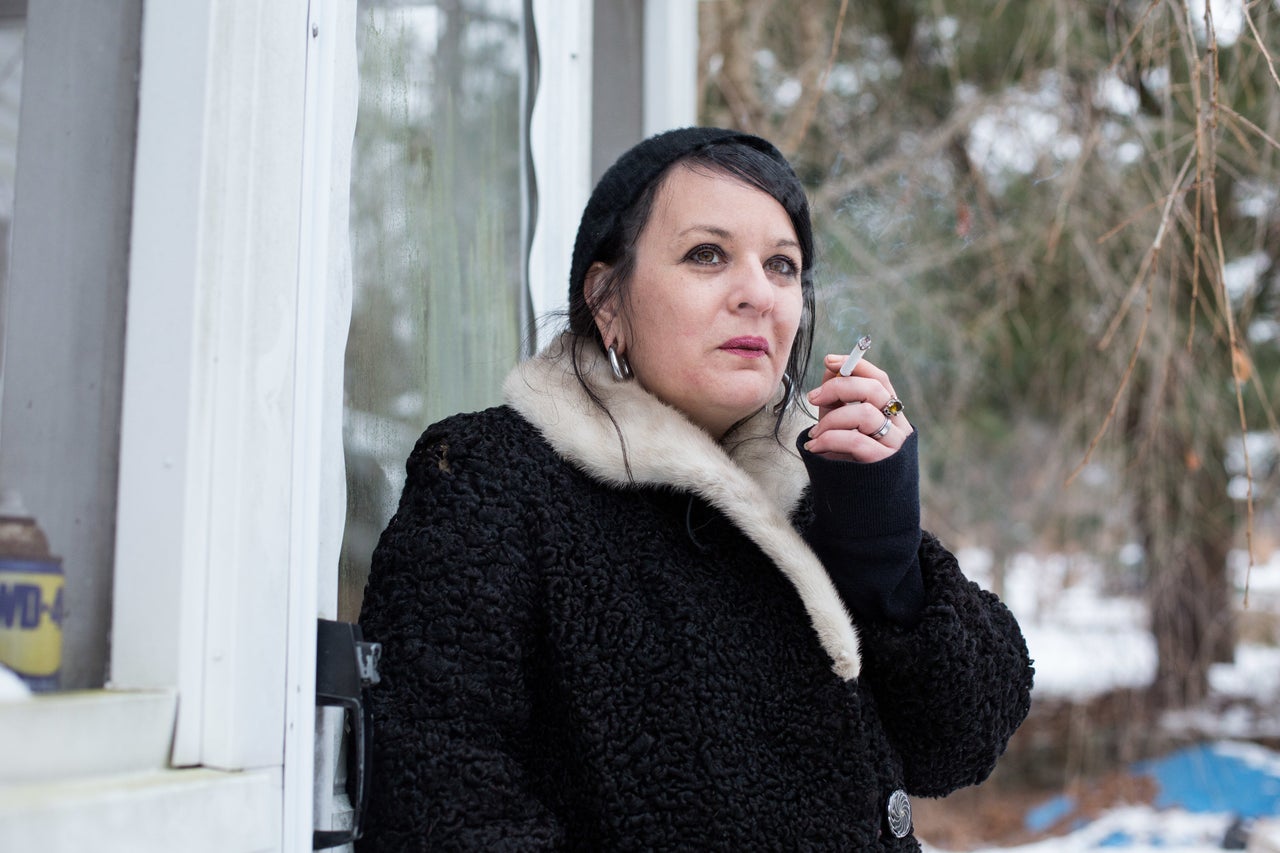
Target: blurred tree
[[1061, 223]]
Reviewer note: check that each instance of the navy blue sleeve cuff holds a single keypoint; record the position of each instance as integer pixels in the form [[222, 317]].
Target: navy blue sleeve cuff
[[866, 531]]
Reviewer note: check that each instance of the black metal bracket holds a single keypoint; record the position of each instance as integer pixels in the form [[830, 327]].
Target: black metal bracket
[[346, 667]]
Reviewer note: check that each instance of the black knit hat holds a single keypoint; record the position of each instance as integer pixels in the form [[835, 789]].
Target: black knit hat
[[633, 172]]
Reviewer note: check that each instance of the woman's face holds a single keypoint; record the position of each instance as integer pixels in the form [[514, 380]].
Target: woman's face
[[715, 299]]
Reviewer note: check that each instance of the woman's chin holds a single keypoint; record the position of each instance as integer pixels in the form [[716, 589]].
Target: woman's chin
[[737, 408], [720, 402]]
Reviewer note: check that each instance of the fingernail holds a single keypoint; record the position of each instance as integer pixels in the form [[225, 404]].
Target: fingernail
[[813, 395]]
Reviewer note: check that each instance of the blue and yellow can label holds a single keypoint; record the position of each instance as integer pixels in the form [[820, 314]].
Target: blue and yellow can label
[[31, 613]]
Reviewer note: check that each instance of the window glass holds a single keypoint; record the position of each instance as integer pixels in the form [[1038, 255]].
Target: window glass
[[437, 252]]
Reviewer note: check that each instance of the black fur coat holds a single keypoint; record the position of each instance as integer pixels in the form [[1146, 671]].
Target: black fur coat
[[590, 653]]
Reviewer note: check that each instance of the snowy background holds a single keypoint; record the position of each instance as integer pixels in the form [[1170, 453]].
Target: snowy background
[[1086, 642]]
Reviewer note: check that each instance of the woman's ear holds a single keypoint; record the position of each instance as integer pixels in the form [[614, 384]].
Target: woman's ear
[[605, 312]]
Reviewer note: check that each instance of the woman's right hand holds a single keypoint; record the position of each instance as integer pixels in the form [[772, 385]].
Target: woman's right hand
[[854, 420]]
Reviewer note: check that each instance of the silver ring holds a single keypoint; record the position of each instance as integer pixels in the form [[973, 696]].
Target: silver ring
[[892, 408], [883, 431]]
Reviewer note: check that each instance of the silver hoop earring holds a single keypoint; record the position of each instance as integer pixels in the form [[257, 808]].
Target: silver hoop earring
[[621, 367]]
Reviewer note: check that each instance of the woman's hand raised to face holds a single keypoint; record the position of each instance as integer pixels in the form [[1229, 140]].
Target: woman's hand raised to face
[[856, 419]]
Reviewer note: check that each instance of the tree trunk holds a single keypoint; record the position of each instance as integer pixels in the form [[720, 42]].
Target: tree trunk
[[1186, 520]]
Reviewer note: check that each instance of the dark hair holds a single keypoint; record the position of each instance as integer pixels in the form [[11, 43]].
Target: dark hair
[[759, 167]]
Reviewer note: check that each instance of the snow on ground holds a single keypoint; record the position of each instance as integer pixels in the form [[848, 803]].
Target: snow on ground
[[1138, 829], [1083, 641], [1086, 641]]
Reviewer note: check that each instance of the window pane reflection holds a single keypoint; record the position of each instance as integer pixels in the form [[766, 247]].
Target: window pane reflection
[[435, 235]]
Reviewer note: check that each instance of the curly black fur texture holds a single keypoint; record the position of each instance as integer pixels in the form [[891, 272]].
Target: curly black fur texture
[[565, 667]]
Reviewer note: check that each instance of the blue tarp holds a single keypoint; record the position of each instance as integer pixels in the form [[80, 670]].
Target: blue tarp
[[1238, 779]]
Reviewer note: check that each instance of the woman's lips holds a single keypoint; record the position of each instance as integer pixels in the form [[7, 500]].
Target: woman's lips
[[747, 347]]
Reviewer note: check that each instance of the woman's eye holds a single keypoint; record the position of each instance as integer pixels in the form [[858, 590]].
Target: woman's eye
[[782, 265], [706, 255]]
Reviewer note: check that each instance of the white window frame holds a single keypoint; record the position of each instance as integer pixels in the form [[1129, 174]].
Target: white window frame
[[560, 148], [561, 121], [670, 65]]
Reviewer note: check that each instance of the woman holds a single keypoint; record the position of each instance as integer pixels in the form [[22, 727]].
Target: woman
[[625, 611]]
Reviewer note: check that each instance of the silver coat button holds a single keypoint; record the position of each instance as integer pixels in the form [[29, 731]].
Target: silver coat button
[[899, 813]]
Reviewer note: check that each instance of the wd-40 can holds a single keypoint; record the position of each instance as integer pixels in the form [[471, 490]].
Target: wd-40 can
[[31, 600]]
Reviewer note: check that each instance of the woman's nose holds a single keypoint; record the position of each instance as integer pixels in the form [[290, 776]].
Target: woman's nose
[[754, 290]]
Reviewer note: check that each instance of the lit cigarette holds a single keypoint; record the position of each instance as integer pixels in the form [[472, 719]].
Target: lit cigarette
[[855, 355]]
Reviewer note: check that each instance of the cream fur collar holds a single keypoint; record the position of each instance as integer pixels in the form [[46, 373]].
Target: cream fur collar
[[756, 483]]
